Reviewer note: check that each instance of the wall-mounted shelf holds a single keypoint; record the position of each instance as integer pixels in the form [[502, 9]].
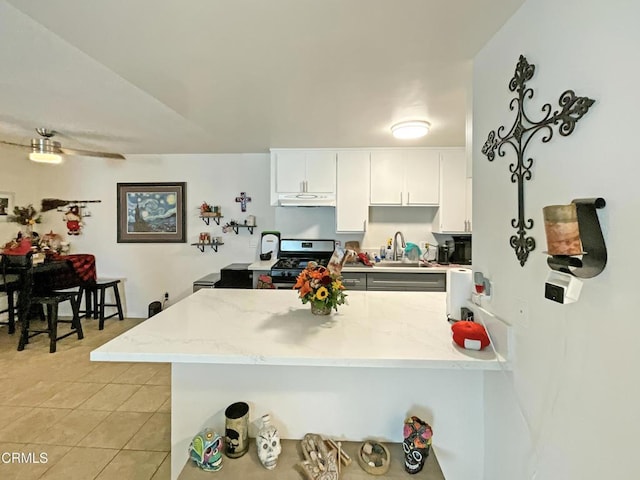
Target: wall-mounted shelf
[[236, 228], [216, 218], [201, 246]]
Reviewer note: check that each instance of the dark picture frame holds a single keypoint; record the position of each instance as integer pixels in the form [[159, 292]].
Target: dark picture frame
[[7, 203], [151, 212]]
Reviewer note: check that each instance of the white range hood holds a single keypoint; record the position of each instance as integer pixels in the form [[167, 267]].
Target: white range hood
[[307, 199]]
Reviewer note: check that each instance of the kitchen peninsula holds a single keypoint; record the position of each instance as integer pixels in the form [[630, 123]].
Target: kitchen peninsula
[[352, 375]]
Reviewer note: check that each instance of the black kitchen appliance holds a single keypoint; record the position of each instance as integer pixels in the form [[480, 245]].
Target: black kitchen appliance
[[461, 254], [295, 255], [444, 253], [236, 275]]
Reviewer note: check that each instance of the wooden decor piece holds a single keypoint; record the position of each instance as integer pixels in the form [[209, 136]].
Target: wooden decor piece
[[320, 462], [374, 458], [519, 136]]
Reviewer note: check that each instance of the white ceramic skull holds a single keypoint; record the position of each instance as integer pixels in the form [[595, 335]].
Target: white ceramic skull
[[268, 443]]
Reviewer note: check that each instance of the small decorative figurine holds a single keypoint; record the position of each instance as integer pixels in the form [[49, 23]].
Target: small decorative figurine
[[73, 219], [416, 444], [206, 450], [268, 443]]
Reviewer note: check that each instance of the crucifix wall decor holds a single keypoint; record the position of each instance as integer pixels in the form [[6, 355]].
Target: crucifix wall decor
[[242, 200], [519, 136]]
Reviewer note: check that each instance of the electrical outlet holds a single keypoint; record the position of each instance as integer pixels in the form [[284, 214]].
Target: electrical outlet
[[166, 296]]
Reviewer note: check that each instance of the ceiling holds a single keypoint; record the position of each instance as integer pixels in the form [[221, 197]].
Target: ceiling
[[222, 76]]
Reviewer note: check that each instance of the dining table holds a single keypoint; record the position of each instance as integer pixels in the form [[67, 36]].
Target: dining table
[[56, 272]]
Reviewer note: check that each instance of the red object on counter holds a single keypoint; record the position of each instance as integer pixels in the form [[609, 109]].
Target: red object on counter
[[470, 335], [364, 259]]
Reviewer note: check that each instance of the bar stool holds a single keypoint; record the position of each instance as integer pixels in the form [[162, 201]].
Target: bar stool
[[9, 284], [95, 300], [52, 300]]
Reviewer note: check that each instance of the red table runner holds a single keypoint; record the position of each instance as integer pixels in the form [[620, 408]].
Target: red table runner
[[84, 265]]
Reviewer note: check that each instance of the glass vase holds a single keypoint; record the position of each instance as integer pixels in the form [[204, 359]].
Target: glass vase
[[320, 308]]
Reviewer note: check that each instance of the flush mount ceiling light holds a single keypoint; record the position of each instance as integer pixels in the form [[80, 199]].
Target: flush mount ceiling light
[[412, 129]]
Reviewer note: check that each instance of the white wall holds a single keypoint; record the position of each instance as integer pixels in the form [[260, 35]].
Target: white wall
[[570, 408], [152, 269]]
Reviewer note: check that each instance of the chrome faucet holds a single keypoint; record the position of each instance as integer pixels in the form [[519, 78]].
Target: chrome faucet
[[395, 245]]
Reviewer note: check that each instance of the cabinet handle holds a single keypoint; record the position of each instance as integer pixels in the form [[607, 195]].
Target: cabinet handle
[[400, 198], [408, 201], [364, 225]]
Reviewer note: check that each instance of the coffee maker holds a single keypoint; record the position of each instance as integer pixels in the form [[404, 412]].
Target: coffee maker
[[444, 252], [461, 253]]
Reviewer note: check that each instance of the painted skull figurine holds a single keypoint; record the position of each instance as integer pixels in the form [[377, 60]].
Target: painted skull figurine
[[416, 444], [268, 443], [206, 450]]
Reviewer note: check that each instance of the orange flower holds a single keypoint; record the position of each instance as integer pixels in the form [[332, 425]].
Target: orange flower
[[304, 289], [299, 281]]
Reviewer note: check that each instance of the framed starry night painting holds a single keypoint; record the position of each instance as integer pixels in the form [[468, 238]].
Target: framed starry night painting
[[151, 212]]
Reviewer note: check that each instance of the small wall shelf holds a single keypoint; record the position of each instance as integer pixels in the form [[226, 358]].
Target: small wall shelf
[[236, 228], [201, 246], [216, 218]]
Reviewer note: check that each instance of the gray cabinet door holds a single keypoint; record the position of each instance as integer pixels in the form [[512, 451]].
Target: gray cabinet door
[[354, 281], [407, 282]]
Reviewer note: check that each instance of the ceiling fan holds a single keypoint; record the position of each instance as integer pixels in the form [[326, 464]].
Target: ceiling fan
[[45, 149]]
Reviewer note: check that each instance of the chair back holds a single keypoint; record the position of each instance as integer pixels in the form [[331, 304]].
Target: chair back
[[16, 263]]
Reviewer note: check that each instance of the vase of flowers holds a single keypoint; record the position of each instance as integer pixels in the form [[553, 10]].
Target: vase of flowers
[[321, 288]]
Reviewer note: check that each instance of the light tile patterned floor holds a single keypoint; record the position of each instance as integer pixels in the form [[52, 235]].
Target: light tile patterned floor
[[91, 420]]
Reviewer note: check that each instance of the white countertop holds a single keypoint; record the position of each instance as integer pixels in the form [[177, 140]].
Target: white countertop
[[272, 327], [262, 264]]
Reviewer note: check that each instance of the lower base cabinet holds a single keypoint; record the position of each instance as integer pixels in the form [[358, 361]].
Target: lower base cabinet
[[354, 281], [395, 282]]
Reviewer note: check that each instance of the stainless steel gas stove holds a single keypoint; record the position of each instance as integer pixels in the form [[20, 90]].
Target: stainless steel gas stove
[[295, 255]]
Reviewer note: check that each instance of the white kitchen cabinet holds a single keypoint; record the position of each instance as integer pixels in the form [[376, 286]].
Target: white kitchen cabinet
[[452, 215], [407, 177], [299, 171], [305, 171], [352, 191], [422, 177]]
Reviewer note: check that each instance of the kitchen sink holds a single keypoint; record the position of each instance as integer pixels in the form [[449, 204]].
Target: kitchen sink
[[398, 264]]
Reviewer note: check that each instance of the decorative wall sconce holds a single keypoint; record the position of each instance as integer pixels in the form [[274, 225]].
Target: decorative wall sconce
[[575, 245], [521, 133]]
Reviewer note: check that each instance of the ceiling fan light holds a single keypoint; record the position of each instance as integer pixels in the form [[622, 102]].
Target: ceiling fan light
[[45, 157], [411, 129]]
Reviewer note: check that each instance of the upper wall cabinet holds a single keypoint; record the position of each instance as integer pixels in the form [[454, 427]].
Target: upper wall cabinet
[[352, 194], [454, 214], [302, 171], [405, 177]]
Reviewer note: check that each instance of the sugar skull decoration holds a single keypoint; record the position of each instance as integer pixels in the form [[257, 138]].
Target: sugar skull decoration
[[206, 450], [416, 444], [268, 443]]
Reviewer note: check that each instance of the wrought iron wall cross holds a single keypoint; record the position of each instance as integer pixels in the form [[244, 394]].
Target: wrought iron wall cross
[[519, 136]]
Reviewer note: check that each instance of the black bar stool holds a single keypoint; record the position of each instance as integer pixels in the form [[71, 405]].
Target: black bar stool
[[52, 300], [95, 300], [9, 284]]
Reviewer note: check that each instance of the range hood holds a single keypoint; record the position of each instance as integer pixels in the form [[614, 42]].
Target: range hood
[[307, 199]]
